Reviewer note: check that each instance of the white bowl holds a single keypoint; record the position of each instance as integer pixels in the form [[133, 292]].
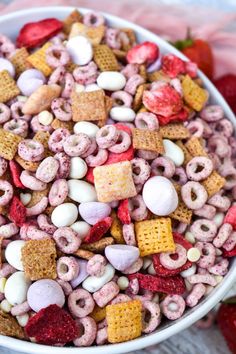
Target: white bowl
[[10, 25]]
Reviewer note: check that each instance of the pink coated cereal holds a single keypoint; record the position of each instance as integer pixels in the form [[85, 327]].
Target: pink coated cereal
[[133, 288], [231, 242], [122, 98], [135, 267], [219, 145], [180, 227], [223, 234], [3, 166], [202, 278], [96, 265], [91, 149], [180, 176], [137, 207], [67, 268], [208, 254], [107, 136], [147, 155], [3, 220], [31, 150], [16, 111], [196, 294], [154, 312], [133, 83], [45, 225], [102, 336], [173, 307], [17, 126], [61, 109], [98, 158], [122, 144], [146, 296], [204, 230], [130, 70], [57, 55], [6, 270], [207, 211], [57, 75], [103, 296], [33, 233], [170, 263], [31, 182], [36, 126], [93, 19], [69, 84], [228, 171], [58, 192], [8, 230], [192, 168], [76, 144], [220, 202], [194, 188], [163, 166], [212, 113], [64, 165], [47, 170], [225, 127], [7, 190], [80, 303], [196, 128], [146, 120], [87, 74], [66, 287], [129, 234], [112, 38], [220, 268], [89, 330], [57, 139], [120, 298], [37, 208], [66, 239], [20, 309], [141, 170], [5, 113]]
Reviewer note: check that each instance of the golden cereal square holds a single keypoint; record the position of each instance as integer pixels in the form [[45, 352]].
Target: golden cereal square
[[8, 144], [187, 155], [154, 236], [74, 16], [195, 147], [98, 246], [56, 123], [182, 213], [147, 140], [132, 38], [116, 229], [213, 183], [114, 182], [9, 326], [88, 106], [19, 60], [194, 95], [174, 131], [124, 321], [94, 34], [27, 165], [98, 314], [84, 254], [38, 60], [158, 76], [8, 87], [105, 58], [39, 259], [138, 98]]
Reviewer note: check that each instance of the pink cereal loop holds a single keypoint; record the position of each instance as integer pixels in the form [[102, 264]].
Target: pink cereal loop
[[31, 182], [112, 38], [135, 267], [122, 98], [104, 295], [194, 188], [57, 139], [66, 239], [146, 120], [196, 128], [181, 227], [7, 190], [163, 166], [207, 211], [20, 309], [133, 288], [225, 127], [220, 268], [3, 220], [173, 307], [141, 170], [220, 202], [69, 84], [91, 149], [129, 234], [147, 155], [58, 192], [64, 165], [61, 109], [122, 144], [204, 230], [8, 230], [219, 145], [77, 297], [196, 294], [107, 136], [6, 46], [6, 270], [137, 208], [67, 268], [192, 168], [133, 83], [3, 166], [45, 225], [93, 19], [66, 287], [212, 113], [231, 242], [17, 126], [228, 171], [76, 144], [96, 265], [16, 111], [130, 70], [180, 176], [215, 160], [31, 150], [208, 254], [37, 208], [89, 332], [223, 235], [98, 158], [47, 170], [87, 74], [5, 113], [154, 316], [147, 295], [120, 298], [36, 126], [170, 263], [202, 278], [102, 336], [57, 55], [33, 233], [57, 75]]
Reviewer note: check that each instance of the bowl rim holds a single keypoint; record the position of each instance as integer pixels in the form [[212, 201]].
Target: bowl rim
[[210, 301]]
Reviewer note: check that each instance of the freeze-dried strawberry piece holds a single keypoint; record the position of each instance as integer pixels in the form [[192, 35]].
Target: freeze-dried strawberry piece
[[34, 34], [123, 212], [191, 69], [164, 272], [172, 65], [89, 175], [98, 230], [163, 100], [15, 174], [124, 128], [182, 116], [172, 285], [52, 325], [146, 52], [17, 212], [230, 217], [228, 254], [123, 156]]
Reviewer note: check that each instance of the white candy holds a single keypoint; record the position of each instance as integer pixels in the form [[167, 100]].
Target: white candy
[[93, 283], [7, 65], [21, 98], [160, 196], [45, 117], [188, 272], [2, 284], [219, 278], [79, 88], [64, 215], [87, 128], [174, 152], [123, 283], [190, 237], [218, 219], [111, 80], [146, 262], [122, 114], [81, 191], [193, 254], [13, 254], [6, 306], [188, 285], [92, 87], [80, 50], [25, 198], [23, 319], [78, 168], [151, 270], [16, 288], [81, 227]]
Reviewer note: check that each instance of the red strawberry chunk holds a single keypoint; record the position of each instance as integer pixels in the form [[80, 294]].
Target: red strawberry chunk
[[191, 69], [171, 285], [52, 325], [98, 230], [15, 174], [17, 212], [89, 175], [123, 127], [182, 116], [172, 65], [36, 33], [123, 156], [163, 100], [123, 212], [146, 52], [229, 254], [230, 217], [164, 272]]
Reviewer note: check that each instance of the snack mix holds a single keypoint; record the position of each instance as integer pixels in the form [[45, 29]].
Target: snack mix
[[117, 205]]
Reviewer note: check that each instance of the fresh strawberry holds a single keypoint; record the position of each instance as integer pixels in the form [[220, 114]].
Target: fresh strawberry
[[123, 212], [98, 230], [172, 65], [198, 51], [227, 86], [144, 53], [226, 319]]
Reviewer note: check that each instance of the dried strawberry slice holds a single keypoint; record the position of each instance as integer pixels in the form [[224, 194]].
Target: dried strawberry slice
[[164, 272], [123, 156], [34, 34], [172, 65], [123, 212], [98, 230], [146, 52], [229, 254], [123, 127], [52, 325], [89, 175], [17, 212], [15, 174], [230, 217], [182, 116], [171, 285]]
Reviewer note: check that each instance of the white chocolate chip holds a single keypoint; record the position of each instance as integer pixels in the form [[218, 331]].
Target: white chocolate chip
[[92, 87], [111, 80], [151, 270], [45, 118], [80, 50], [193, 254], [13, 254], [174, 152], [146, 262], [218, 219], [218, 252], [87, 128], [122, 114], [79, 88], [219, 278], [188, 285], [25, 198], [23, 319], [6, 306], [81, 227], [22, 98], [78, 168], [188, 272], [123, 283], [2, 284], [189, 237]]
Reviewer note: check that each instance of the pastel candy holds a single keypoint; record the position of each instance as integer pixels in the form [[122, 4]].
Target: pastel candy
[[82, 273], [121, 256], [81, 191], [16, 288], [7, 65], [92, 212], [93, 283], [160, 196], [30, 80], [78, 168], [87, 128], [13, 254], [43, 293], [64, 215], [122, 114], [111, 80], [80, 50], [81, 228]]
